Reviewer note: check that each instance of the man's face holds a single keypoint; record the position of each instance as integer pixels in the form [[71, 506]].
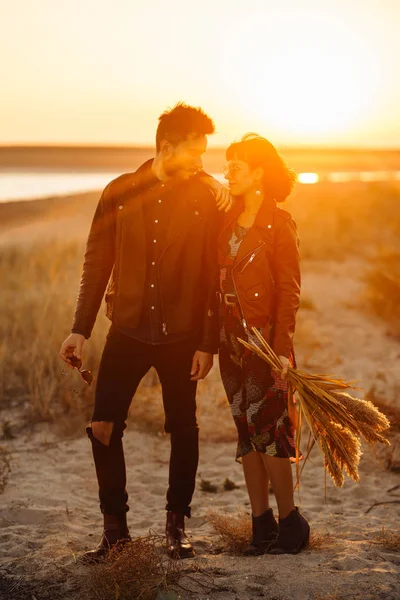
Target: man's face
[[185, 159]]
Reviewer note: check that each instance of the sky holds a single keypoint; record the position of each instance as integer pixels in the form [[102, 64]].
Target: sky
[[309, 72]]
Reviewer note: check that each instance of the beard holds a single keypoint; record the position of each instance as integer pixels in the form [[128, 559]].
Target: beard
[[174, 168]]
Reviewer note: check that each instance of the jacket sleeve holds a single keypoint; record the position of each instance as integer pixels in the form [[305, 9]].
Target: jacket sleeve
[[209, 340], [98, 263], [286, 272]]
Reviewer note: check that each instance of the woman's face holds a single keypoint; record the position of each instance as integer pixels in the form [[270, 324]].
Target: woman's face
[[241, 178]]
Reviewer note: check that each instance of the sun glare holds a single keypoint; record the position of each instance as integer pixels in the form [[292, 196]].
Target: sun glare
[[318, 84], [308, 178]]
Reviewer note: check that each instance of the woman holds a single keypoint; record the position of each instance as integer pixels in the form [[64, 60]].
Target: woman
[[260, 287]]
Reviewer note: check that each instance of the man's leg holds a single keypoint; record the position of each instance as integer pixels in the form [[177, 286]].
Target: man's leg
[[173, 365], [124, 362]]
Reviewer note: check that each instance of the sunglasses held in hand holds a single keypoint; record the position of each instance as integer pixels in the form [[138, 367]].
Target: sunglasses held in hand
[[76, 363]]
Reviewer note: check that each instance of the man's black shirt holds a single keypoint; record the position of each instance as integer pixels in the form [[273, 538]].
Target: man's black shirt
[[157, 207]]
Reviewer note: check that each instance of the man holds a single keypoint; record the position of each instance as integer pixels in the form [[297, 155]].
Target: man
[[153, 241]]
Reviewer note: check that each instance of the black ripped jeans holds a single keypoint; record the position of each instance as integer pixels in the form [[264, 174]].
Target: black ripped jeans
[[123, 364]]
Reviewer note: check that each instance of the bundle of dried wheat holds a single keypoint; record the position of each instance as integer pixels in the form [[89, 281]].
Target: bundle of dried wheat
[[337, 421]]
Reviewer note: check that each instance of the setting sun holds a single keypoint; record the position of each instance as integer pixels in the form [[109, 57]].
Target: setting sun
[[309, 73], [323, 83]]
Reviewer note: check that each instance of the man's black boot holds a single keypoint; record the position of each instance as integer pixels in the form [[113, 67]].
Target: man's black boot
[[115, 534], [178, 545]]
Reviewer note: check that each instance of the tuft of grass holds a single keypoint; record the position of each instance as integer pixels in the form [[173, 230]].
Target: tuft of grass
[[7, 431], [234, 530], [229, 485], [390, 540], [139, 570], [5, 467], [320, 540], [207, 486]]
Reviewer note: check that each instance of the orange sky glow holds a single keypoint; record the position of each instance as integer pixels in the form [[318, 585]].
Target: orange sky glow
[[322, 72]]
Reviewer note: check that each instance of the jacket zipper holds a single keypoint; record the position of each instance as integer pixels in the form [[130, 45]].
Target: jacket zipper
[[244, 322], [252, 256]]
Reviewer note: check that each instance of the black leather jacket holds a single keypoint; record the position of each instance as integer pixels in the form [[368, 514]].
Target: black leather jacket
[[187, 269]]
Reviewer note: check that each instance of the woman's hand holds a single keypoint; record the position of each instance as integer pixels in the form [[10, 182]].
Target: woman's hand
[[285, 365]]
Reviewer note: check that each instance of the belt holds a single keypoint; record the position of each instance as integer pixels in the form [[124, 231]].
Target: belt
[[228, 299]]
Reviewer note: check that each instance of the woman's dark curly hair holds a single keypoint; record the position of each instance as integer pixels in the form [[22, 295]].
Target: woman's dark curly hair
[[256, 151]]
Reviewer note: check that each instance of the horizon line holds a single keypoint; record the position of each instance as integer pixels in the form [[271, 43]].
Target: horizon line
[[108, 146]]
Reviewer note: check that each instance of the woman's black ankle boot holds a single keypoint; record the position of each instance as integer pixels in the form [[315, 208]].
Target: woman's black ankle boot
[[294, 534], [265, 530]]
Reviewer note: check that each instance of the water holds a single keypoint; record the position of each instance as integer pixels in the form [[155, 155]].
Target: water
[[28, 185]]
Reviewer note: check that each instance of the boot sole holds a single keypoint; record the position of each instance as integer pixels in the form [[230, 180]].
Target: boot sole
[[303, 546], [88, 559]]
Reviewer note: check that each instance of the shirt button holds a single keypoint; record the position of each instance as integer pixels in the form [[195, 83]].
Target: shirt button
[[120, 207], [156, 221], [159, 201], [154, 241], [196, 212], [153, 263], [152, 285], [256, 294], [152, 307]]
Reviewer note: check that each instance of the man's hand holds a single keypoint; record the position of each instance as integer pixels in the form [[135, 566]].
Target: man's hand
[[72, 346], [223, 199], [201, 365]]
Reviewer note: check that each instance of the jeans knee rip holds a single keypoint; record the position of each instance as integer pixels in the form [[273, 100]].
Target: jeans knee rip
[[107, 437]]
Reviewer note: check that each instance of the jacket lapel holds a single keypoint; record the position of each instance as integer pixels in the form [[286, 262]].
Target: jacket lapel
[[261, 231]]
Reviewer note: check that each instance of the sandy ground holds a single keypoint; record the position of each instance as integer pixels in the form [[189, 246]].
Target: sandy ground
[[49, 511]]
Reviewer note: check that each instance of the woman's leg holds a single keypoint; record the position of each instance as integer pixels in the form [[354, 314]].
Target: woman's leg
[[280, 474], [257, 482]]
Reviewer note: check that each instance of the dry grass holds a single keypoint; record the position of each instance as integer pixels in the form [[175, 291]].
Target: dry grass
[[389, 540], [39, 287], [336, 221], [5, 467], [36, 307], [337, 421], [40, 276], [382, 289], [139, 570], [233, 529], [388, 455], [320, 540]]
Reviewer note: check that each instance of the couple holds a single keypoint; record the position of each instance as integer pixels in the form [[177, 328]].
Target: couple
[[184, 275]]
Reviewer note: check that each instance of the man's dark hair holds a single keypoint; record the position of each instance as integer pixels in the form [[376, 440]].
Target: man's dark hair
[[176, 124]]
